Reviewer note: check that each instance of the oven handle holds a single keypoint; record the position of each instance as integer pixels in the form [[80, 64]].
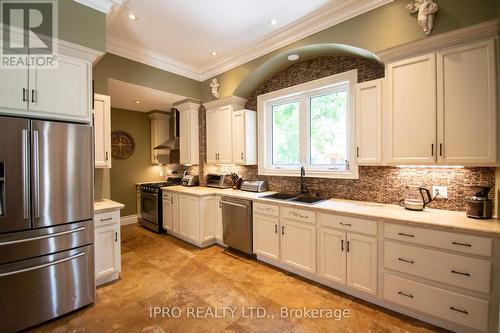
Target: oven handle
[[43, 265]]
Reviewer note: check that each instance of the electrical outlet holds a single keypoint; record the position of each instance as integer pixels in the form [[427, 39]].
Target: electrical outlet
[[440, 192]]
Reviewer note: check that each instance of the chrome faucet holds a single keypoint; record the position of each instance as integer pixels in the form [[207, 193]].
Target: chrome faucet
[[303, 187]]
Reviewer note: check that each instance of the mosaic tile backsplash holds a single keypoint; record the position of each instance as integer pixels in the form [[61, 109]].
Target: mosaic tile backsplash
[[375, 184]]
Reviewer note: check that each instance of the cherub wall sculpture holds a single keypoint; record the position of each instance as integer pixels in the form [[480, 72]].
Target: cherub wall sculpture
[[426, 10]]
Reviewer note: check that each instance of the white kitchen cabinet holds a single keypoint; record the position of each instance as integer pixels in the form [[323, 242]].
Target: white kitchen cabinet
[[138, 201], [160, 129], [332, 255], [266, 236], [244, 137], [63, 93], [298, 245], [362, 263], [411, 103], [195, 217], [466, 104], [218, 221], [219, 135], [369, 128], [188, 141], [167, 222], [102, 131], [107, 246]]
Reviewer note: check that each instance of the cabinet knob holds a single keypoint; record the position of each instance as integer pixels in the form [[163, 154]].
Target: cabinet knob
[[32, 95], [24, 94]]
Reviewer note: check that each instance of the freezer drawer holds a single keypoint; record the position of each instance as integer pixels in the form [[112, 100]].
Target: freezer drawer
[[39, 289], [37, 242]]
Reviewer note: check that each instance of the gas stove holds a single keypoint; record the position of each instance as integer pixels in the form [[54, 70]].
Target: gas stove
[[155, 187]]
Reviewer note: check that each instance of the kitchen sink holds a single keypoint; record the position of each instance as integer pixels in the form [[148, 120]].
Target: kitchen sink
[[295, 197], [281, 196], [308, 199]]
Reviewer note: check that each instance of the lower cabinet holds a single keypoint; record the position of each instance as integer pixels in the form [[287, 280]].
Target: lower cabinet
[[138, 201], [218, 221], [298, 244], [107, 247], [266, 236]]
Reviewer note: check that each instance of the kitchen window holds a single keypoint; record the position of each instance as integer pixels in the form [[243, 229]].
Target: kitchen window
[[310, 125]]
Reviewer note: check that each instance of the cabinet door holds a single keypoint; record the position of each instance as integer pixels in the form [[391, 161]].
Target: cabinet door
[[218, 220], [212, 136], [362, 263], [62, 93], [138, 200], [174, 206], [225, 135], [266, 236], [184, 215], [332, 254], [238, 137], [467, 104], [207, 218], [411, 99], [102, 131], [185, 137], [369, 122], [160, 129], [107, 250], [167, 212], [298, 245], [14, 90], [189, 217]]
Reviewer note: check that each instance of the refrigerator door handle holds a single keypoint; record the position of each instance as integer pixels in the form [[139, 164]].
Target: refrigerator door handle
[[24, 240], [36, 173], [26, 175], [79, 254]]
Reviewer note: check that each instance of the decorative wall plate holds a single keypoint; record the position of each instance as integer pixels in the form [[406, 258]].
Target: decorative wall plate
[[122, 145]]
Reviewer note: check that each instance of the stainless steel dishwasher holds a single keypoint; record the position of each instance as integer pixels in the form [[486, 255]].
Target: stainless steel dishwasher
[[237, 224]]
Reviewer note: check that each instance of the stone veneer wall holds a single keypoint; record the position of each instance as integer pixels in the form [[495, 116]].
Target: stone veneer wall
[[376, 184]]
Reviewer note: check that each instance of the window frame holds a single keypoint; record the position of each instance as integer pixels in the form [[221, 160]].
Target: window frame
[[302, 93]]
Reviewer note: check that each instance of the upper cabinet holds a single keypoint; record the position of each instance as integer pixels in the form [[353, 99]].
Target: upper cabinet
[[159, 135], [442, 107], [369, 128], [411, 113], [231, 132], [62, 93], [466, 104], [102, 131], [188, 122]]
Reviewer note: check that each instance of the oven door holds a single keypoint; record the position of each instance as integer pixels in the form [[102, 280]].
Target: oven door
[[149, 207]]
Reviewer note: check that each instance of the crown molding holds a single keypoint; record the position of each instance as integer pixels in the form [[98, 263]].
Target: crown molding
[[471, 33], [187, 105], [237, 102], [330, 15], [104, 6], [124, 49], [77, 51]]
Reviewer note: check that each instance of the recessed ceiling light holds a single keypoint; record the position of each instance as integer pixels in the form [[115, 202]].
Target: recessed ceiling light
[[137, 101], [293, 57], [132, 17], [273, 21], [213, 53]]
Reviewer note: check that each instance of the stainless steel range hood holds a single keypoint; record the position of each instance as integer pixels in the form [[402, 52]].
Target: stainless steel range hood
[[173, 140]]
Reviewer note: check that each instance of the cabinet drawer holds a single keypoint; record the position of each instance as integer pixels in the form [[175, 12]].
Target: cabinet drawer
[[108, 217], [441, 239], [465, 310], [464, 272], [261, 208], [349, 223], [298, 214]]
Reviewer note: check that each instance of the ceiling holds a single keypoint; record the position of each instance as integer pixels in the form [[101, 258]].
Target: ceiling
[[180, 35], [124, 96]]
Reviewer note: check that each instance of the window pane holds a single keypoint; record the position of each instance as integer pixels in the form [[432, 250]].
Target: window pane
[[286, 133], [329, 128]]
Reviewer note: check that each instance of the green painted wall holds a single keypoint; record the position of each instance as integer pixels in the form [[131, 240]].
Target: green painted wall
[[82, 25], [381, 28], [115, 67], [124, 174]]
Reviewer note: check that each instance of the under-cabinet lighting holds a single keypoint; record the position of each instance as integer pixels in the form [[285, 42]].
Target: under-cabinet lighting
[[430, 166], [137, 102], [132, 17], [293, 57]]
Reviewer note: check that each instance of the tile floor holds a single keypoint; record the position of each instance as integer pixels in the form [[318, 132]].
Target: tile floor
[[162, 271]]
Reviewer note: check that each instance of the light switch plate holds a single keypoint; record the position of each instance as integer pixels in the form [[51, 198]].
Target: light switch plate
[[440, 191]]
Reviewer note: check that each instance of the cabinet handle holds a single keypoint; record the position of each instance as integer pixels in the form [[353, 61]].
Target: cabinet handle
[[406, 260], [241, 155], [406, 295], [24, 94], [283, 230], [461, 244], [275, 228], [440, 149], [460, 273], [32, 95], [348, 246], [108, 219], [405, 235], [346, 224], [116, 236], [172, 201], [106, 156], [432, 149], [299, 215], [342, 245], [459, 310], [357, 151]]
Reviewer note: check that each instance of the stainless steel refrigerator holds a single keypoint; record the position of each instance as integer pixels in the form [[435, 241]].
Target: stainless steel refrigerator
[[46, 228]]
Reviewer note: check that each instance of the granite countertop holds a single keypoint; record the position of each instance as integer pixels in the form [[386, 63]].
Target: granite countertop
[[105, 205], [151, 182], [442, 219]]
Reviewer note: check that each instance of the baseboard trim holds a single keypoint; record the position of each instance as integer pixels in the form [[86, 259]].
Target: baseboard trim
[[129, 219]]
